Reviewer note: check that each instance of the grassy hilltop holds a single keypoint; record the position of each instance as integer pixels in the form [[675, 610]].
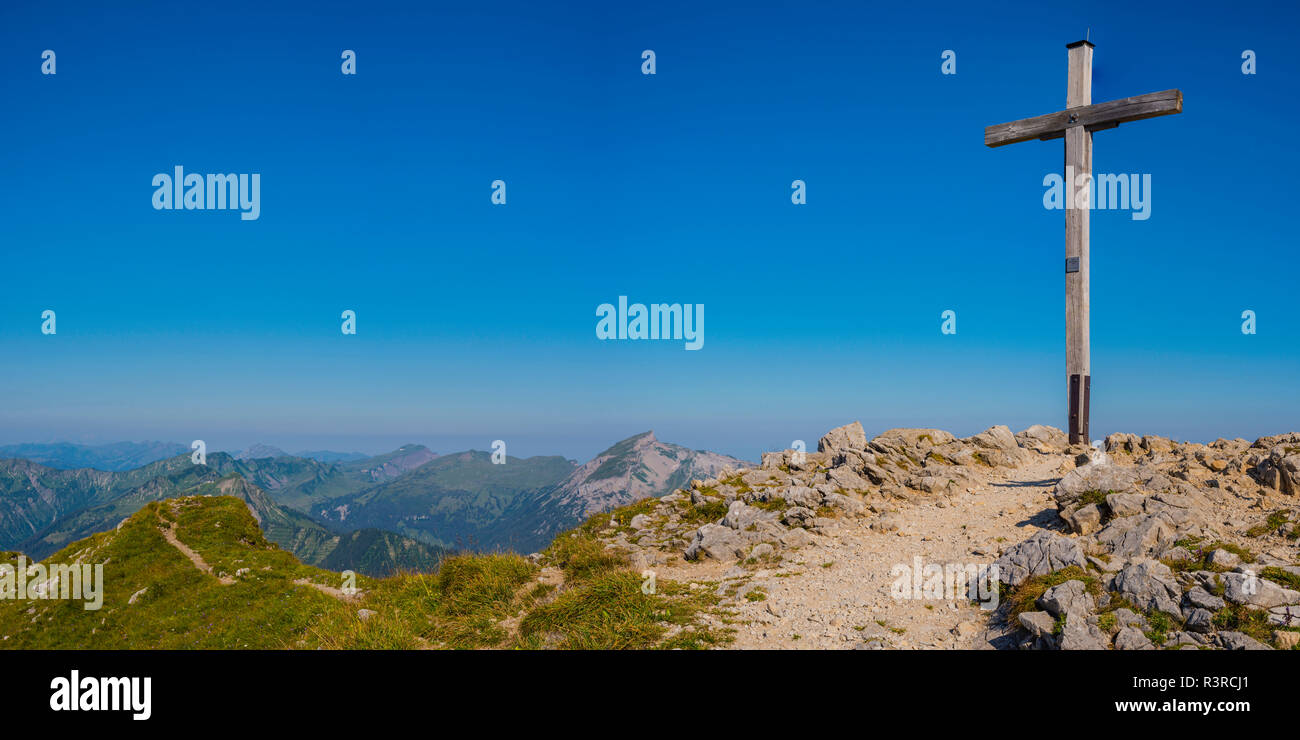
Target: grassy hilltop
[[234, 589]]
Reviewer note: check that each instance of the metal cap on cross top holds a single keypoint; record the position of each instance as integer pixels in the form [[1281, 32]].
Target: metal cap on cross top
[[1076, 124]]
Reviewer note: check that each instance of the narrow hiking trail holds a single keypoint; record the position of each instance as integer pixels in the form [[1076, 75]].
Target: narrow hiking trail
[[168, 530], [836, 592], [169, 533], [337, 593]]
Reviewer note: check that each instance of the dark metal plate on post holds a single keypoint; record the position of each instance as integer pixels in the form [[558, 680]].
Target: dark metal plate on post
[[1071, 264], [1072, 387], [1083, 414]]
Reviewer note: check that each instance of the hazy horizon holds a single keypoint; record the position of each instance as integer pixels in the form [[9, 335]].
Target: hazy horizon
[[580, 447]]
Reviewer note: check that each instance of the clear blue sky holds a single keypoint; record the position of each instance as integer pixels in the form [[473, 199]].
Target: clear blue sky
[[476, 322]]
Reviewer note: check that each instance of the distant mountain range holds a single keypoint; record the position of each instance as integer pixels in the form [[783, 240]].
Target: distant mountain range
[[117, 456], [120, 456], [257, 451], [399, 510], [328, 456]]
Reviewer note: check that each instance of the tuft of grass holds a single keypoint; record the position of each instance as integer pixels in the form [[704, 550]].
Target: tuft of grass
[[895, 630], [1058, 626], [773, 504], [583, 557], [1161, 625], [1201, 554], [1024, 597], [468, 583], [603, 606], [738, 482], [1246, 555], [624, 515], [1282, 577], [610, 612], [1252, 622], [1274, 522], [1094, 497], [709, 511], [461, 607]]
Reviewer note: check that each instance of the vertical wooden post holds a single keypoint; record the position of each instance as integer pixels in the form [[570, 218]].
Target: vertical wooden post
[[1073, 123], [1078, 164]]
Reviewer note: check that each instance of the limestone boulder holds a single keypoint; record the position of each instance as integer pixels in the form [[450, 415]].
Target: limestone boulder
[[716, 542], [1043, 439], [847, 437], [1150, 586], [1043, 553]]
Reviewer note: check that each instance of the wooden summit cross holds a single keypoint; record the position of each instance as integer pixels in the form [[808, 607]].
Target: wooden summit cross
[[1076, 124]]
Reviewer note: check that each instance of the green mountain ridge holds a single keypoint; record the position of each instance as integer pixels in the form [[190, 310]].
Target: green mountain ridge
[[376, 552], [197, 572], [155, 597], [42, 509], [303, 483], [453, 501], [33, 496]]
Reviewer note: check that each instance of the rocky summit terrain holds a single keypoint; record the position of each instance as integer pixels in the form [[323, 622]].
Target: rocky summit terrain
[[1140, 543]]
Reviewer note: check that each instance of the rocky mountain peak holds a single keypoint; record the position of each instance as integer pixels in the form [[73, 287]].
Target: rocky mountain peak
[[394, 464]]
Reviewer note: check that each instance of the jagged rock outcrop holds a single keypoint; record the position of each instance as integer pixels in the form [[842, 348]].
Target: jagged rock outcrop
[[1279, 467], [847, 437], [1164, 524], [792, 495], [1153, 532], [1071, 597], [1149, 585], [1043, 439], [1043, 553], [716, 541]]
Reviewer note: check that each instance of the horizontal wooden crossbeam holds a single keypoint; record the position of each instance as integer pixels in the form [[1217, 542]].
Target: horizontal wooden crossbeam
[[1093, 117]]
